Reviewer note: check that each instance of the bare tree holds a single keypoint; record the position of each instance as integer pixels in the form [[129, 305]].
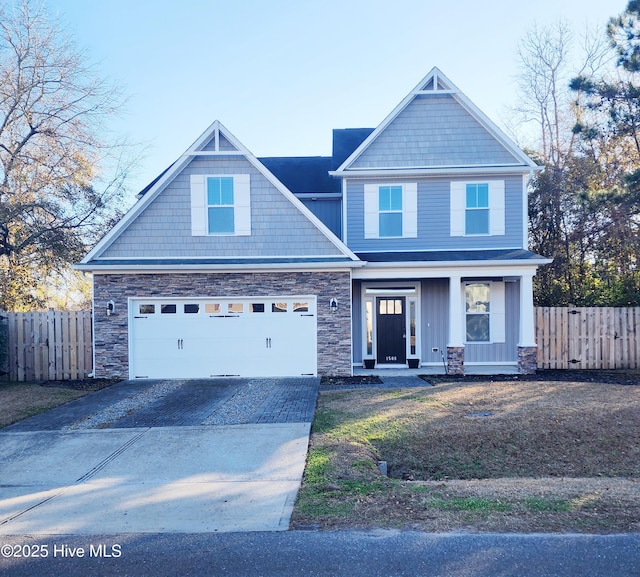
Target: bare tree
[[561, 223], [53, 112]]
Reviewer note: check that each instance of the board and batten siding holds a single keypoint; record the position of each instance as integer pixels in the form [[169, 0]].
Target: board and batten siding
[[434, 222], [163, 229]]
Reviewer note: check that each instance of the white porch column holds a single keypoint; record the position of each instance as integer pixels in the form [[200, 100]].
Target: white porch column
[[527, 315], [456, 338]]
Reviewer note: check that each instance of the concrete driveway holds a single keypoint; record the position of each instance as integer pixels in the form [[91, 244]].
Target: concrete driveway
[[160, 456]]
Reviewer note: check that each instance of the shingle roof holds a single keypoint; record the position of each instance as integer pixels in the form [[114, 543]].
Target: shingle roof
[[302, 174]]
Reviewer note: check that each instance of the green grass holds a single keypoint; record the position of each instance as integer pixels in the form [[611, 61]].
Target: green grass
[[541, 505], [477, 505], [318, 466]]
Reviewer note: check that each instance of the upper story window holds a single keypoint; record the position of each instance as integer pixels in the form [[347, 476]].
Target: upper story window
[[391, 210], [477, 208], [220, 211], [220, 205]]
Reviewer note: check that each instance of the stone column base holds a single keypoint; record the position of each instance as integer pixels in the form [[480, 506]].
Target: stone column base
[[455, 360], [527, 360]]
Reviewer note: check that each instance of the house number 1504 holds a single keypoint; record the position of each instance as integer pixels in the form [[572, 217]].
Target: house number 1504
[[390, 358]]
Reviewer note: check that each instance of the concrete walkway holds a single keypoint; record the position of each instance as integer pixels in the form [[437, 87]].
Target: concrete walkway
[[73, 479]]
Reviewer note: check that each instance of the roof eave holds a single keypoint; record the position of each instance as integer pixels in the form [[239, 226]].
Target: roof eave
[[434, 171], [96, 267]]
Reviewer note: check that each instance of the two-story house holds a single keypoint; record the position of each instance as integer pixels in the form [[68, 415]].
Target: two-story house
[[406, 248]]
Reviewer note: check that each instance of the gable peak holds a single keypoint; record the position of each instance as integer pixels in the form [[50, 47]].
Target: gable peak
[[217, 138], [435, 81]]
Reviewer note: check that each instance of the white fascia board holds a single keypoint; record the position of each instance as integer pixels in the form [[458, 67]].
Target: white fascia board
[[214, 153], [458, 95], [495, 131], [217, 268], [343, 248], [151, 194], [388, 120], [214, 131], [382, 271], [367, 141], [134, 211], [406, 172]]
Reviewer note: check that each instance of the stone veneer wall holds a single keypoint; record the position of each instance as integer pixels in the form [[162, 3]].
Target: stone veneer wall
[[455, 360], [527, 360], [111, 332]]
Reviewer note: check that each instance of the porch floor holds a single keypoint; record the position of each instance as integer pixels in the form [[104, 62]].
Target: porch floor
[[433, 370]]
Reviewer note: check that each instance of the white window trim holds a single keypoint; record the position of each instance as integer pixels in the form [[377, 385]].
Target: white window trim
[[409, 210], [497, 313], [370, 292], [241, 205], [458, 197]]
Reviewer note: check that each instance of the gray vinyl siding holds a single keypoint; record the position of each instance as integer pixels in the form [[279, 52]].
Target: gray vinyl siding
[[435, 323], [328, 211], [434, 202], [434, 131], [435, 319], [506, 352], [163, 229]]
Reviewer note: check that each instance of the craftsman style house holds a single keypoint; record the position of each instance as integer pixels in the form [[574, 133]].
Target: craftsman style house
[[406, 248]]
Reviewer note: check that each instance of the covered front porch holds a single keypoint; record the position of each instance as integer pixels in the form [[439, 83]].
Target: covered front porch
[[467, 318]]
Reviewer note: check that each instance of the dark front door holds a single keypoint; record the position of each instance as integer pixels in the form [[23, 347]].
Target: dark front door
[[391, 333]]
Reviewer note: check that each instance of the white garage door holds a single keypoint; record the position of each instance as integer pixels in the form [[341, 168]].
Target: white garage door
[[201, 338]]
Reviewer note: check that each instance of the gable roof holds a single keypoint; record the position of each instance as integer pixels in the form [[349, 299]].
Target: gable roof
[[216, 141], [436, 91]]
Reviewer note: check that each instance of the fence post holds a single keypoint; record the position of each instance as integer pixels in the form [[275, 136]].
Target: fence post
[[4, 346]]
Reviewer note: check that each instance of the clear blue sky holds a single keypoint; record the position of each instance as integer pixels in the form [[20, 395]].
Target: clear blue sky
[[281, 74]]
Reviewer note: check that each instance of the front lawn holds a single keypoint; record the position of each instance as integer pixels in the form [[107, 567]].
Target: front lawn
[[493, 455]]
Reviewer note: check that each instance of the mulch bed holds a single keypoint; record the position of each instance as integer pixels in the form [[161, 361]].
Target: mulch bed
[[551, 375]]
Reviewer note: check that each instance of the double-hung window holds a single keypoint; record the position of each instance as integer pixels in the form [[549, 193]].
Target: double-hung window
[[220, 207], [478, 310], [484, 312], [390, 210], [477, 208]]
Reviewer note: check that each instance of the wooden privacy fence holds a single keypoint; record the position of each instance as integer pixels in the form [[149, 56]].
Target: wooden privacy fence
[[588, 337], [57, 345], [53, 345]]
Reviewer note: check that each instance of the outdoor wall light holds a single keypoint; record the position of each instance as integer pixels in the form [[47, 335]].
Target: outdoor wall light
[[333, 305], [111, 307]]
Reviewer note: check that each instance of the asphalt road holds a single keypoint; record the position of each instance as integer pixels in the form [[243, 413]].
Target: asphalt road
[[323, 553]]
